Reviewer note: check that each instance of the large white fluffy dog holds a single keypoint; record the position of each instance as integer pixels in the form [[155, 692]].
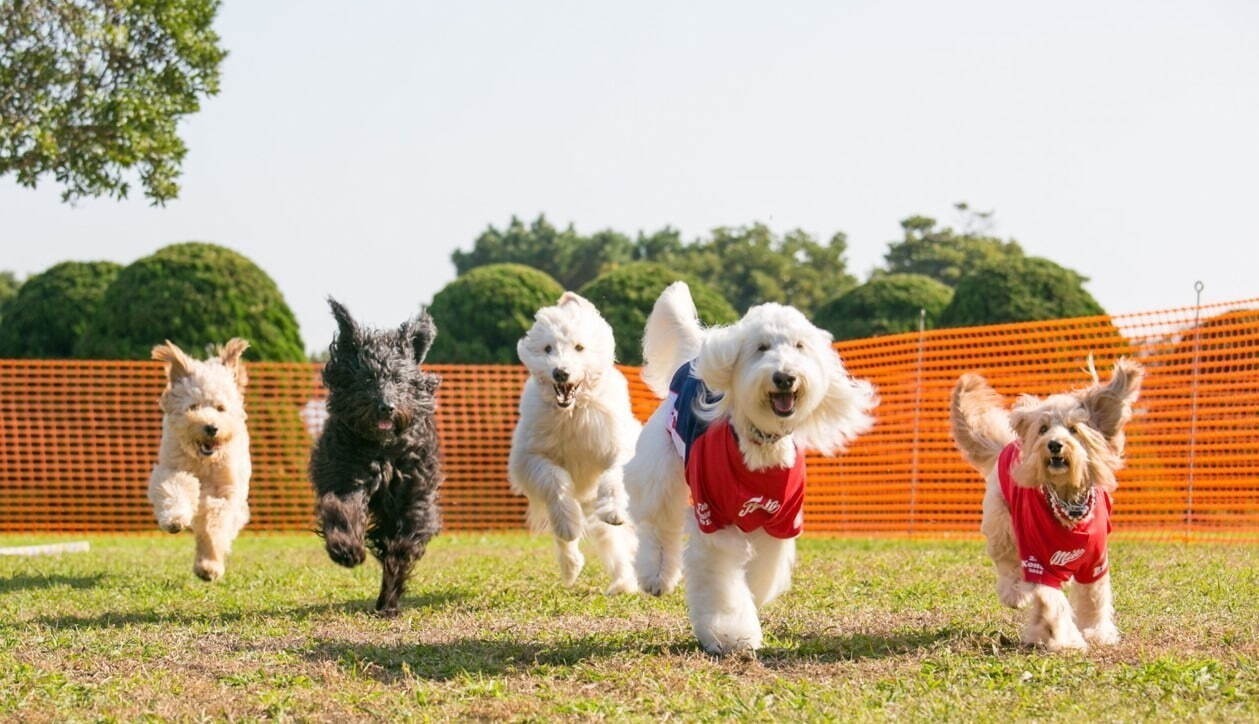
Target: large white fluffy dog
[[575, 432], [201, 480], [1050, 469], [783, 390]]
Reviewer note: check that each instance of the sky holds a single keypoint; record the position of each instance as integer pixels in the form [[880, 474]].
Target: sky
[[354, 146]]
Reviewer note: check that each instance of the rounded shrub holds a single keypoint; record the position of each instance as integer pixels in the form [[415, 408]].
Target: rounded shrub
[[194, 294], [51, 310], [1021, 289], [888, 304], [481, 314], [626, 294]]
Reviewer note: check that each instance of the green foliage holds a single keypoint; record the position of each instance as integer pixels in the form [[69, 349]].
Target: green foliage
[[482, 314], [747, 265], [887, 304], [52, 309], [92, 89], [750, 265], [568, 257], [944, 254], [1019, 289], [9, 286], [194, 294], [626, 294]]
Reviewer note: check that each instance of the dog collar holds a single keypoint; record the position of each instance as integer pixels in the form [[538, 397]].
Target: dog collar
[[760, 437], [1071, 513]]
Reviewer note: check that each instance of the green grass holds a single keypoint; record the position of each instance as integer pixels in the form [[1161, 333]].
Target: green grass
[[871, 631]]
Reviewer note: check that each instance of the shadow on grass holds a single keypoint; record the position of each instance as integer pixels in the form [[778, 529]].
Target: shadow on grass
[[476, 656], [26, 582], [859, 646], [363, 607]]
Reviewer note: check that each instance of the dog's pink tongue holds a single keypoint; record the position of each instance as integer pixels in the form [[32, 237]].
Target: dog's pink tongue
[[784, 402], [385, 424]]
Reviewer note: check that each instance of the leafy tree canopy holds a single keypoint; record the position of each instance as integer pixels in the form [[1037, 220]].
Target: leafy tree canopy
[[196, 295], [887, 304], [482, 314], [626, 294], [943, 253], [1019, 289], [9, 286], [52, 309], [93, 89]]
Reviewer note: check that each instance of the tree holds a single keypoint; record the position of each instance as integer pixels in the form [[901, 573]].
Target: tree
[[482, 314], [194, 294], [887, 304], [93, 89], [944, 254], [626, 294], [52, 309], [568, 257], [9, 286], [1020, 289], [750, 265]]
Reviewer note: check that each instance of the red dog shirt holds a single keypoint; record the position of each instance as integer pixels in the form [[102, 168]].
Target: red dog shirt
[[1052, 554], [723, 491]]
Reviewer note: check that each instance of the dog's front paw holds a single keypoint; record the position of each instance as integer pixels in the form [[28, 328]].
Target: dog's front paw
[[622, 585], [208, 570], [1013, 593], [611, 516], [345, 551], [391, 612], [566, 521], [1103, 634], [175, 522]]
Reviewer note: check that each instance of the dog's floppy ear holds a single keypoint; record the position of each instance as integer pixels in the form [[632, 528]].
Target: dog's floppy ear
[[419, 334], [573, 298], [844, 411], [1023, 414], [230, 356], [347, 329], [178, 364], [717, 357], [1110, 405]]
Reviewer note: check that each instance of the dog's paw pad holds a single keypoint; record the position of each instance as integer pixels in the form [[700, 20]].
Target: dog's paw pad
[[208, 570], [612, 517]]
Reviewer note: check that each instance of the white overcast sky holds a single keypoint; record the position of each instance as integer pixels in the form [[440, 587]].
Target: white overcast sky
[[355, 145]]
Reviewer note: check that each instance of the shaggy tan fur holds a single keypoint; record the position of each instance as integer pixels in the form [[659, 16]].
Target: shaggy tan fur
[[1088, 425], [201, 480]]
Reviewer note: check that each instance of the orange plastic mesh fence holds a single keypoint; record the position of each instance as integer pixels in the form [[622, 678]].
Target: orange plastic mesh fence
[[78, 438]]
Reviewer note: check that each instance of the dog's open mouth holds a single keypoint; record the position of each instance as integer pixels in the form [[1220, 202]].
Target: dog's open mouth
[[1057, 463], [565, 393], [385, 425], [207, 447], [784, 403]]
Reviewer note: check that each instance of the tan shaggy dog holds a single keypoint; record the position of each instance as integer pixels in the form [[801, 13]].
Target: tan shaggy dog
[[201, 480], [1050, 469]]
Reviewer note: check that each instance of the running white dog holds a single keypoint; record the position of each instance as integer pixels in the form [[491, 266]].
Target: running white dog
[[743, 404], [201, 480], [575, 432]]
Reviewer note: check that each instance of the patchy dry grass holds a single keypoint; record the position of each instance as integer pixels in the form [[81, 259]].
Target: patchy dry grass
[[872, 631]]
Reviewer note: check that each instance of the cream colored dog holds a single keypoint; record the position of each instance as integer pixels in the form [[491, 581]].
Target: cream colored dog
[[1050, 469], [576, 430], [201, 480]]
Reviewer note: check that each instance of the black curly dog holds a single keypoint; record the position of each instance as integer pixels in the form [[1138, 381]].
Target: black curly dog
[[375, 468]]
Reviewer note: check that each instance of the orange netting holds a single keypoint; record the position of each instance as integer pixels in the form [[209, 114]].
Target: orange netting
[[78, 438]]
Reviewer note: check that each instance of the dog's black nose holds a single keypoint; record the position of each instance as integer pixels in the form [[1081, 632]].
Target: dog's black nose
[[783, 380], [385, 408], [560, 375], [211, 430], [1054, 446]]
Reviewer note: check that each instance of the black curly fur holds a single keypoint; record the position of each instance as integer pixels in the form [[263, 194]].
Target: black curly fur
[[378, 486]]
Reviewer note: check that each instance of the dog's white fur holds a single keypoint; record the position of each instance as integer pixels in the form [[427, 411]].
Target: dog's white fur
[[1089, 423], [201, 480], [730, 574], [571, 442]]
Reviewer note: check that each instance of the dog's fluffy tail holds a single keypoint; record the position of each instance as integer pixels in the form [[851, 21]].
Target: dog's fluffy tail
[[981, 426], [671, 338]]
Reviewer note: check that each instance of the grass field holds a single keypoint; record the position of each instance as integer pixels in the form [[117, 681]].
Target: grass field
[[871, 631]]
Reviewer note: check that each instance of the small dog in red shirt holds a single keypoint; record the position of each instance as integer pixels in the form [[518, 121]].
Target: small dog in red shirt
[[1050, 469]]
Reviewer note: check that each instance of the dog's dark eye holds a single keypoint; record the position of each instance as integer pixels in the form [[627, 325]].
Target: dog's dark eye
[[580, 347], [1044, 429], [800, 345], [1073, 429], [192, 407], [220, 408], [762, 348], [547, 349]]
